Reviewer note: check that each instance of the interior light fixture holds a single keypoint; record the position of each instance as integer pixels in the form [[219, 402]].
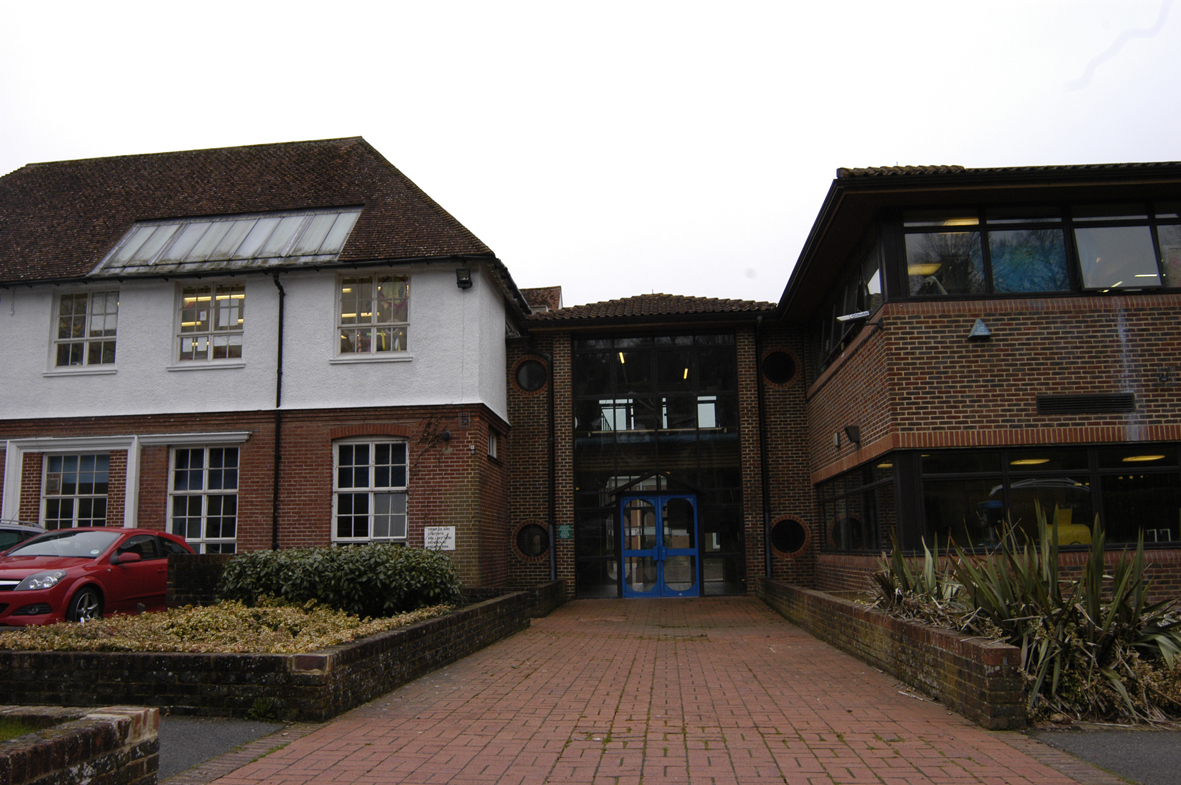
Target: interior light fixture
[[1142, 458], [965, 221], [923, 269], [463, 278], [885, 466], [686, 375], [1029, 461], [621, 358]]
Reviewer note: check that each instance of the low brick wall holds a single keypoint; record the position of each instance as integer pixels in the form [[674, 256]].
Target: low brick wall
[[117, 745], [977, 678], [313, 686]]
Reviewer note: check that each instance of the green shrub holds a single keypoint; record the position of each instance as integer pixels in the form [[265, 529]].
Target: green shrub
[[1094, 647], [366, 580]]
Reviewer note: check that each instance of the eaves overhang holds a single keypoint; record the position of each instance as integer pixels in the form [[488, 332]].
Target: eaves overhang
[[857, 197]]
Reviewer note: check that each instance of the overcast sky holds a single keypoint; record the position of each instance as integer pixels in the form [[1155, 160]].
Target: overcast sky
[[612, 148]]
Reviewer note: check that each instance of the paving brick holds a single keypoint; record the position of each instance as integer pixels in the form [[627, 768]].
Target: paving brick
[[599, 692]]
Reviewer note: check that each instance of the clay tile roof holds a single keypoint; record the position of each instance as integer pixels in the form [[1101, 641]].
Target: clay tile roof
[[654, 305], [895, 171], [887, 171], [548, 296], [58, 220]]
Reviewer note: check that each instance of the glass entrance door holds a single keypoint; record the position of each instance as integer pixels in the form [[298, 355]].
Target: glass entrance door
[[660, 551]]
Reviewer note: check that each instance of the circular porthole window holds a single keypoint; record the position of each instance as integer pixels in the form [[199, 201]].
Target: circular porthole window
[[779, 367], [531, 375], [532, 540], [788, 535]]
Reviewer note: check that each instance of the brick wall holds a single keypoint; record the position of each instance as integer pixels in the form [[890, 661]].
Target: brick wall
[[452, 482], [529, 462], [977, 678], [314, 686], [786, 424], [118, 745]]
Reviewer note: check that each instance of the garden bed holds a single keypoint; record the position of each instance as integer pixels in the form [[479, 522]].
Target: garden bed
[[978, 678], [314, 687]]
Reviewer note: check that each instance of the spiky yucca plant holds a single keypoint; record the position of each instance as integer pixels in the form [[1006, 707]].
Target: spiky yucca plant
[[1082, 654]]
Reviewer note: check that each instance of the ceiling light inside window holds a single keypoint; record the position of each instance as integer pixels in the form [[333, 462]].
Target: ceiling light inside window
[[1142, 458], [1029, 461]]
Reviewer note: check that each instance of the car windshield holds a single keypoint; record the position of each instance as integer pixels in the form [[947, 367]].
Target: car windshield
[[76, 544]]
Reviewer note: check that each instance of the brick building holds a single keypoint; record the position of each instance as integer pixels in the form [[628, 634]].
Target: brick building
[[953, 349]]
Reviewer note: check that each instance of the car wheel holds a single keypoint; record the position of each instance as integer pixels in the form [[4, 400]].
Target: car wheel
[[85, 606]]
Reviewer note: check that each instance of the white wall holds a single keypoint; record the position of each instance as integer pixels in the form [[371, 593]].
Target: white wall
[[456, 352]]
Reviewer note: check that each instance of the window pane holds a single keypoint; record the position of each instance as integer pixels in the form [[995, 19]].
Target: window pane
[[1065, 501], [971, 512], [1116, 257], [961, 462], [1148, 501], [1141, 456], [1170, 252], [944, 264], [1038, 460], [1032, 260], [592, 375]]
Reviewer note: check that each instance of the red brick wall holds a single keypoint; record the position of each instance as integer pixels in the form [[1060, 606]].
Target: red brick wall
[[787, 432], [754, 537], [564, 458], [529, 463], [451, 483]]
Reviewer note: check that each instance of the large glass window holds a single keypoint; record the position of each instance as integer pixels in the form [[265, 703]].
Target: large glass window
[[212, 318], [957, 253], [74, 491], [974, 496], [656, 414], [86, 323], [374, 314], [369, 493], [857, 509], [204, 497]]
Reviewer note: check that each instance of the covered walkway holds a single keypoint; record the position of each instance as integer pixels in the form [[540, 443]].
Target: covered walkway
[[717, 690]]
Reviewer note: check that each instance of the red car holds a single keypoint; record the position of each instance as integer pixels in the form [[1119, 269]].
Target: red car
[[82, 574]]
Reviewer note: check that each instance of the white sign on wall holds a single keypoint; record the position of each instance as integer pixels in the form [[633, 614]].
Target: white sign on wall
[[439, 538]]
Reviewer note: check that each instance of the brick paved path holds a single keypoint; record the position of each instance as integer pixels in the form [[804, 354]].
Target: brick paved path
[[717, 690]]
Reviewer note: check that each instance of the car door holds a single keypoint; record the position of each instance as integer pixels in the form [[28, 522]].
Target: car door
[[143, 582]]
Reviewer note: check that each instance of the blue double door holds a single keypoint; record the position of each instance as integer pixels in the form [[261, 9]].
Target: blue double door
[[661, 556]]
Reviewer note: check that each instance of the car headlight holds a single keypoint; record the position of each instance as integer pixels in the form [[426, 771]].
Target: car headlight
[[41, 580]]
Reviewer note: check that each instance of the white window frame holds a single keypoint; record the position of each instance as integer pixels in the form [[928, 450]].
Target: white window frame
[[352, 320], [98, 331], [201, 335], [204, 498], [51, 492], [390, 497]]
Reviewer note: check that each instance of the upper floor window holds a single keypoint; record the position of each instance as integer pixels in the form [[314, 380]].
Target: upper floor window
[[211, 321], [373, 313], [1005, 250], [85, 332], [950, 253]]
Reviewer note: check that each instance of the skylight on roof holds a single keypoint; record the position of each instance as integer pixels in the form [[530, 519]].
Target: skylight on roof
[[238, 241]]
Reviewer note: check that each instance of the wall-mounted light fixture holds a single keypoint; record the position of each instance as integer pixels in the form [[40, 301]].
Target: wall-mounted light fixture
[[463, 278], [445, 436], [980, 332], [853, 433]]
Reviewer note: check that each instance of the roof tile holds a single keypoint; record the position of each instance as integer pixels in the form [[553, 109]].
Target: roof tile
[[652, 305], [58, 220]]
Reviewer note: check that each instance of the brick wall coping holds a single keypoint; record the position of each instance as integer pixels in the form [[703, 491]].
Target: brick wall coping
[[976, 677], [314, 686], [116, 745]]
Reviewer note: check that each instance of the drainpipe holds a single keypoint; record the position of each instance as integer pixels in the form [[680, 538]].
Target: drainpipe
[[763, 461], [278, 420]]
